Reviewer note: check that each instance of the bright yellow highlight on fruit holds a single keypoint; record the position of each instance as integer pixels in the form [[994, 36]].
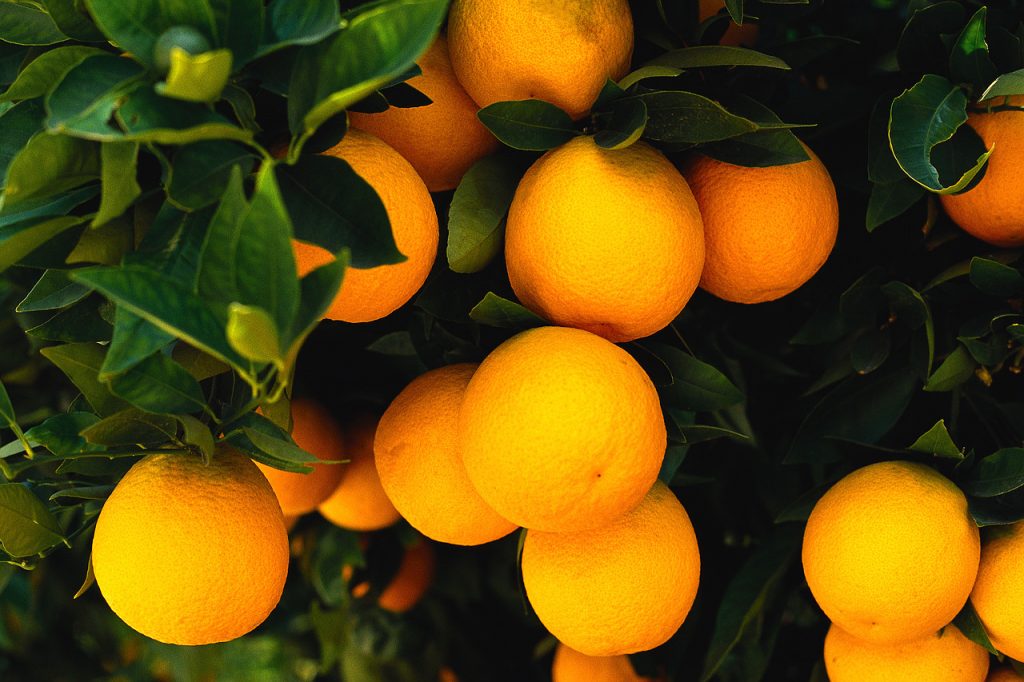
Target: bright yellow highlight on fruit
[[373, 293], [993, 210], [604, 240], [313, 430], [998, 593], [441, 140], [559, 51], [419, 463], [620, 588], [561, 430], [945, 656], [572, 666], [767, 230], [890, 552], [188, 553], [359, 501]]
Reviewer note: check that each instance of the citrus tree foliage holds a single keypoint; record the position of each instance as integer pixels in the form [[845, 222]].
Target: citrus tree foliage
[[157, 158]]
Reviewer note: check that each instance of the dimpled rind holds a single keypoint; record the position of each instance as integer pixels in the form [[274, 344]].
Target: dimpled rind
[[945, 656]]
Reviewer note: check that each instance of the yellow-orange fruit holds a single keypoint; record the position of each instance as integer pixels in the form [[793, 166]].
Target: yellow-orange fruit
[[1004, 675], [561, 430], [766, 230], [441, 140], [560, 52], [998, 594], [359, 502], [993, 210], [945, 656], [412, 580], [890, 552], [313, 430], [620, 588], [372, 293], [604, 240], [572, 666], [420, 467], [736, 34], [188, 553]]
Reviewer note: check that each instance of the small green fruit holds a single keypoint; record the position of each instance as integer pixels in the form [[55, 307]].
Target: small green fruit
[[185, 37]]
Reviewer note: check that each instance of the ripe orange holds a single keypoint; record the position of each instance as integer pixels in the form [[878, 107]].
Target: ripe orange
[[441, 140], [736, 34], [993, 210], [373, 293], [572, 666], [313, 430], [188, 553], [620, 588], [945, 656], [410, 582], [604, 240], [999, 590], [359, 501], [561, 430], [416, 448], [890, 552], [766, 230], [559, 52]]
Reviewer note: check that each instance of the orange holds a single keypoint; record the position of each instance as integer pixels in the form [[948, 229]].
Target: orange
[[372, 293], [998, 594], [441, 140], [561, 430], [945, 656], [313, 430], [604, 240], [623, 587], [1004, 675], [735, 34], [993, 210], [572, 666], [410, 582], [359, 501], [560, 52], [420, 467], [890, 552], [766, 230], [188, 553]]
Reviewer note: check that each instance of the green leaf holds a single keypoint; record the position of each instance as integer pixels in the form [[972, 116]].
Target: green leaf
[[53, 206], [909, 306], [84, 101], [201, 171], [148, 117], [769, 147], [625, 125], [956, 369], [167, 304], [119, 163], [969, 61], [495, 311], [253, 334], [80, 322], [298, 22], [937, 441], [73, 20], [6, 408], [46, 70], [476, 216], [265, 441], [332, 206], [134, 340], [921, 47], [748, 592], [920, 119], [27, 25], [1006, 85], [318, 289], [197, 78], [687, 118], [239, 25], [695, 385], [999, 473], [136, 25], [631, 79], [47, 166], [81, 363], [159, 385], [890, 201], [54, 289], [704, 56], [529, 124], [26, 526], [196, 433], [89, 492], [378, 43], [61, 433], [131, 426], [21, 239], [870, 350], [996, 279], [19, 124], [968, 622]]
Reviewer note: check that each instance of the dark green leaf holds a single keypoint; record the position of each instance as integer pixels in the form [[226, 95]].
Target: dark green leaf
[[968, 622], [1005, 86], [130, 426], [91, 492], [201, 172], [119, 161], [80, 322], [674, 457], [956, 369], [996, 279], [27, 25], [910, 308], [81, 363], [762, 147], [240, 25], [60, 434], [47, 166], [937, 441], [921, 48], [529, 124], [46, 70], [613, 91], [994, 511], [21, 239], [703, 56], [688, 118], [26, 526], [19, 124], [870, 350], [969, 61], [476, 217], [625, 125], [695, 385], [159, 385], [54, 289], [317, 291], [85, 100], [134, 340], [55, 206], [495, 311], [6, 408], [73, 20], [148, 117], [999, 473], [332, 206], [890, 201], [136, 25], [298, 22]]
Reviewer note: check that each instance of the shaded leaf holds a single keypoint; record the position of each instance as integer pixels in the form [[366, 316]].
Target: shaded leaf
[[298, 22], [26, 526], [695, 385], [890, 201], [703, 56], [120, 188], [937, 441], [159, 385], [201, 172], [956, 369], [495, 311], [995, 278], [46, 70], [625, 125], [969, 61], [968, 622], [476, 216], [529, 124], [81, 363], [47, 166], [999, 473], [688, 118], [130, 426], [27, 25], [54, 289], [21, 239]]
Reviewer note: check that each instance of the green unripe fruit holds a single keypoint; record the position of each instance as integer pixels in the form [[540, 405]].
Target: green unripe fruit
[[185, 37]]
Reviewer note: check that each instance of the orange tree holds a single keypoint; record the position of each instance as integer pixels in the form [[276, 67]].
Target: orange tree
[[786, 232]]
